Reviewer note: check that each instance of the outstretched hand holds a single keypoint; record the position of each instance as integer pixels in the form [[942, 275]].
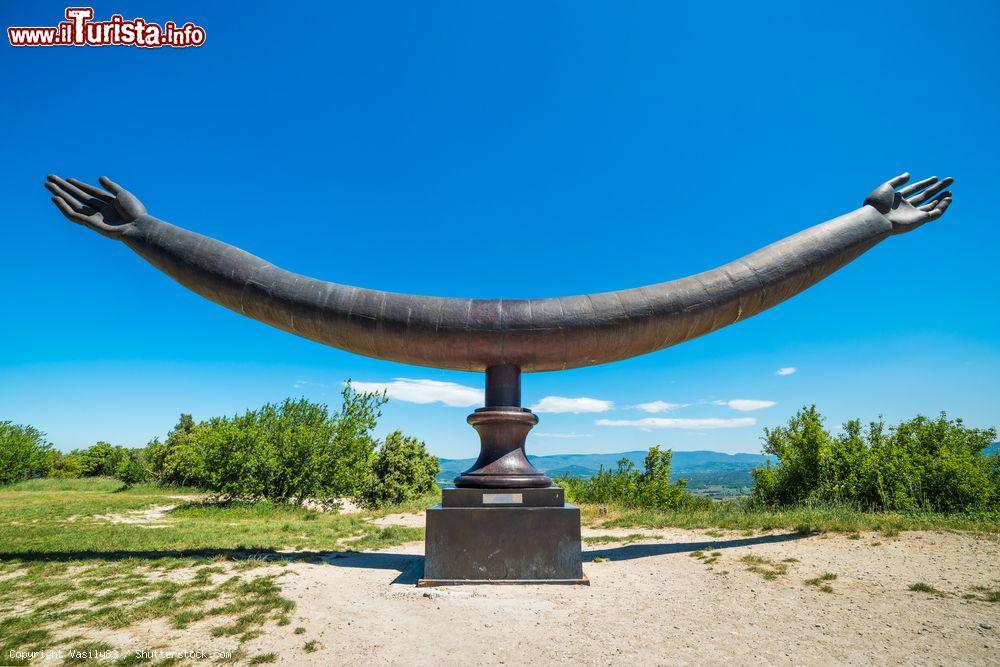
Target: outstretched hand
[[109, 212], [909, 207]]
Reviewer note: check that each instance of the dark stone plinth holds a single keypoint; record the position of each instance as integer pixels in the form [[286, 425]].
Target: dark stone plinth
[[470, 540]]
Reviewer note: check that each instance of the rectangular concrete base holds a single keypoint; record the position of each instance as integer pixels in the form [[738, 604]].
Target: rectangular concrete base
[[497, 538]]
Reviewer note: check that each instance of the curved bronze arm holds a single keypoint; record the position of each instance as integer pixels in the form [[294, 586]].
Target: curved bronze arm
[[475, 334]]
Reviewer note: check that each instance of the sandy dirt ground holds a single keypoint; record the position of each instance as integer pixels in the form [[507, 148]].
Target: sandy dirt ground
[[652, 603]]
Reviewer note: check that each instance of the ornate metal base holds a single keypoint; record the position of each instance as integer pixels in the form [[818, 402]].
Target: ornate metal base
[[502, 462], [503, 426]]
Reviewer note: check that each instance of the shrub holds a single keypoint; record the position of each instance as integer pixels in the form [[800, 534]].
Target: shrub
[[627, 487], [100, 460], [24, 453], [131, 468], [180, 460], [65, 466], [918, 464], [401, 470], [291, 451]]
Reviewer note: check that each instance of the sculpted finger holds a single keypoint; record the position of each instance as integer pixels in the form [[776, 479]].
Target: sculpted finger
[[899, 180], [65, 209], [78, 194], [919, 199], [69, 199], [939, 211], [913, 188], [93, 190], [110, 185], [934, 203]]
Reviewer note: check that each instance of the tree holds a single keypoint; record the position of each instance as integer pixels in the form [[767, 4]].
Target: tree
[[627, 487], [345, 462], [291, 451], [24, 453], [401, 470], [100, 459], [180, 460], [918, 464], [65, 466], [131, 468]]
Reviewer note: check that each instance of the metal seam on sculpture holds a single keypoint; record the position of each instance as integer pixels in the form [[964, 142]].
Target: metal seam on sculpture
[[250, 281], [627, 323], [739, 303], [758, 293], [593, 309], [379, 333], [701, 309], [564, 347]]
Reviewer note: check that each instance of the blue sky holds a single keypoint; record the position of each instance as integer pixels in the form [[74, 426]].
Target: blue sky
[[593, 146]]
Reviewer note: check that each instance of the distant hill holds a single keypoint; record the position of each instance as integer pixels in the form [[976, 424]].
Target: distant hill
[[702, 469], [992, 450]]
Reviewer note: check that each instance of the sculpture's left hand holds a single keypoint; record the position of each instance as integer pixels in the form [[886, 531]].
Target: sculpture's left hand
[[912, 206], [109, 212]]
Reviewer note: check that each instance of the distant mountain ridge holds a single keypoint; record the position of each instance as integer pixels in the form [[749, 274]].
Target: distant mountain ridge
[[680, 461], [694, 465], [706, 471]]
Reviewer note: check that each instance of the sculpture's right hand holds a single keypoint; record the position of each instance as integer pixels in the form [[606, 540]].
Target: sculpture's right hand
[[108, 213]]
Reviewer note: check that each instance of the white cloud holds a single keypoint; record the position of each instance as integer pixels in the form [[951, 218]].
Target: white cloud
[[746, 404], [787, 370], [561, 435], [574, 405], [426, 391], [298, 384], [650, 423], [660, 406]]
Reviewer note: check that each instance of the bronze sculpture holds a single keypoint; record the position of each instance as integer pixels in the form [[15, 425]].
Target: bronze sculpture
[[503, 337], [504, 522]]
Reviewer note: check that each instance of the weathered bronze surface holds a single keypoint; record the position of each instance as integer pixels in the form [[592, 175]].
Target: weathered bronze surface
[[503, 337]]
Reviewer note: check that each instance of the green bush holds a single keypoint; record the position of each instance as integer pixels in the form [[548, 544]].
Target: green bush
[[132, 468], [291, 451], [627, 487], [24, 453], [65, 466], [401, 470], [101, 459], [180, 459], [926, 464]]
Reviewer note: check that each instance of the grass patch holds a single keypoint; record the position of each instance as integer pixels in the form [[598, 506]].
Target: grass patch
[[768, 569], [921, 587], [66, 572], [311, 646], [379, 538], [59, 518], [820, 582], [805, 519], [984, 594], [708, 557], [263, 658]]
